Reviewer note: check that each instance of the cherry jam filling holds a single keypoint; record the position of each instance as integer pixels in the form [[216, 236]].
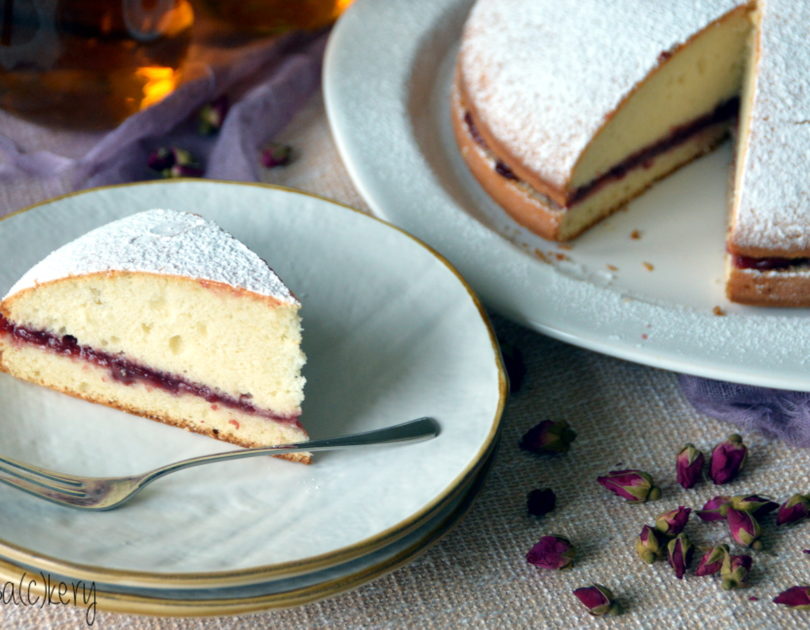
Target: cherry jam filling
[[128, 372], [766, 264], [643, 158]]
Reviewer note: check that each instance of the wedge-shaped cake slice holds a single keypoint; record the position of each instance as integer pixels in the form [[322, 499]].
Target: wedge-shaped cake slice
[[164, 315], [769, 237]]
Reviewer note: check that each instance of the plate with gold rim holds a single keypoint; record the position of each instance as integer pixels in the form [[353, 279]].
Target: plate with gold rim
[[657, 300], [391, 332], [251, 598]]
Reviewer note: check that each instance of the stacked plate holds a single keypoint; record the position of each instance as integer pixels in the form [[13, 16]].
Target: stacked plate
[[391, 333]]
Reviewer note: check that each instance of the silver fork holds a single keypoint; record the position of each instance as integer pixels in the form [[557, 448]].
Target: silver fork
[[105, 493]]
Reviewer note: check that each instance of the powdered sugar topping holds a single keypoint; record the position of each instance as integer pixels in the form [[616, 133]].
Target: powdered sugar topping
[[774, 181], [545, 74], [162, 242]]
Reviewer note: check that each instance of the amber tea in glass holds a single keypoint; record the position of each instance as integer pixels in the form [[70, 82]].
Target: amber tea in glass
[[89, 63]]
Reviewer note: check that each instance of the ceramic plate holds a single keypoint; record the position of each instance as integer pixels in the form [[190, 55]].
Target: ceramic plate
[[391, 333], [272, 594], [652, 300]]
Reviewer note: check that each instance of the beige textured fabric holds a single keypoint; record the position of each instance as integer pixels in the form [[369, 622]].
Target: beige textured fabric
[[476, 577]]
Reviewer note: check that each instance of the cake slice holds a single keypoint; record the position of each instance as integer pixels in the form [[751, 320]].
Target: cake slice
[[566, 110], [769, 227], [164, 315]]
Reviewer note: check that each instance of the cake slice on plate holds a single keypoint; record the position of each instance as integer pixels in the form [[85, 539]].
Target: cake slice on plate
[[164, 315], [769, 228]]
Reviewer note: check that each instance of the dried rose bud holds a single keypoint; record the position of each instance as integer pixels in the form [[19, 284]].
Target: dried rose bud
[[795, 509], [734, 571], [715, 509], [276, 154], [727, 459], [173, 162], [598, 600], [744, 528], [212, 115], [679, 554], [757, 505], [649, 544], [514, 364], [552, 552], [634, 485], [712, 561], [689, 466], [797, 597], [672, 522], [541, 501], [548, 437]]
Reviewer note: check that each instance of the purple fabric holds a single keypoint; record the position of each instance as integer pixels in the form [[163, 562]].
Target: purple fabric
[[266, 83], [774, 412]]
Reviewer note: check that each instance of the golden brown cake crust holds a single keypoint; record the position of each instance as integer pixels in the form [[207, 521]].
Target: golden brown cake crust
[[768, 289]]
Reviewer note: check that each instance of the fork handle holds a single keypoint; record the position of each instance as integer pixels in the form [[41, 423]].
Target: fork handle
[[411, 431]]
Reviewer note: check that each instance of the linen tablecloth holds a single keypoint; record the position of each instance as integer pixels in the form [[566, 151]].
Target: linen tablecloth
[[476, 576]]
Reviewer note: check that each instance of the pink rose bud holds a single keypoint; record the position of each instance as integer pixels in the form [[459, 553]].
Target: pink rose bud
[[796, 508], [649, 544], [757, 505], [548, 437], [551, 552], [212, 115], [727, 460], [672, 522], [734, 571], [633, 485], [797, 597], [712, 560], [744, 528], [598, 600], [276, 154], [715, 509], [689, 466], [541, 501], [173, 162], [679, 554]]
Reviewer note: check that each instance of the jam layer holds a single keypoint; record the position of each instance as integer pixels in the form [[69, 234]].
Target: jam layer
[[640, 159], [767, 264], [129, 372]]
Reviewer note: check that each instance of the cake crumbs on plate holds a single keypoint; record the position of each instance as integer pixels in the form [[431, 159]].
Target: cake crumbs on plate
[[645, 336], [539, 254], [720, 312], [635, 235], [612, 267], [565, 246], [560, 256], [648, 265]]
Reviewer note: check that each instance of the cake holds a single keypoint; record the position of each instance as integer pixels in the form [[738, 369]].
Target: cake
[[769, 229], [164, 315], [565, 110]]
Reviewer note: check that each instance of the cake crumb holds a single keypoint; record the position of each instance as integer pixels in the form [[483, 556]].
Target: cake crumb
[[565, 246], [718, 311], [645, 336], [539, 254], [648, 266], [612, 267], [560, 256], [635, 234]]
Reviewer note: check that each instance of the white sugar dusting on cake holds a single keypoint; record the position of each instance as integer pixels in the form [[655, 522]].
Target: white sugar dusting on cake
[[544, 103], [774, 184], [162, 242]]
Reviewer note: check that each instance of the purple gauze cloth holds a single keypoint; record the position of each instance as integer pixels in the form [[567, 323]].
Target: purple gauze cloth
[[267, 82], [775, 413]]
